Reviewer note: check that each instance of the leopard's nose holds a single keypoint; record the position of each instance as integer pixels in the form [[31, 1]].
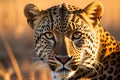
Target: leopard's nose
[[63, 59]]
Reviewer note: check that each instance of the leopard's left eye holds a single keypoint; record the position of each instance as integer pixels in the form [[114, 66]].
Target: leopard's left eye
[[76, 35], [49, 35]]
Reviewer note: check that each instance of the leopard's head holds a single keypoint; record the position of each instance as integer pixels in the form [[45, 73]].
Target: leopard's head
[[65, 36]]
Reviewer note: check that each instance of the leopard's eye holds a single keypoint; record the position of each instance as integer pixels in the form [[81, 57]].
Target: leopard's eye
[[49, 35], [76, 35]]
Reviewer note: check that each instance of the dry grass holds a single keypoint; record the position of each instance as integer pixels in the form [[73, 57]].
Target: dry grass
[[24, 70], [14, 63]]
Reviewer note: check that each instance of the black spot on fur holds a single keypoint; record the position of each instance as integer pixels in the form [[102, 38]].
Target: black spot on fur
[[103, 77], [107, 34], [113, 43], [110, 70], [94, 79], [109, 78], [104, 50], [106, 67], [118, 66], [117, 47], [101, 71], [113, 62], [112, 56], [94, 74], [112, 38], [110, 49], [118, 77], [54, 13], [74, 67], [118, 59], [103, 45], [116, 71]]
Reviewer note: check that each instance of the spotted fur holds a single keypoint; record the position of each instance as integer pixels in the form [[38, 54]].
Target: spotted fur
[[72, 43]]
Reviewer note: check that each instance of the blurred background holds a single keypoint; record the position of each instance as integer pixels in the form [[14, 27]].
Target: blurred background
[[15, 30]]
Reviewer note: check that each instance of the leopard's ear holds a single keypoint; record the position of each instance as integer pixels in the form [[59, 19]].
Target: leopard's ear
[[94, 11], [32, 12]]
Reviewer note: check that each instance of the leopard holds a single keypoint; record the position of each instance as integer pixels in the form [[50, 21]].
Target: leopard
[[72, 43]]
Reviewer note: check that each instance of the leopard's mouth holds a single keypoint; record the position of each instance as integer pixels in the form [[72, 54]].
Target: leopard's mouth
[[63, 70], [64, 73]]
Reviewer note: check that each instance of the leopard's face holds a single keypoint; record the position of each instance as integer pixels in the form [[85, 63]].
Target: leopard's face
[[67, 47], [64, 39]]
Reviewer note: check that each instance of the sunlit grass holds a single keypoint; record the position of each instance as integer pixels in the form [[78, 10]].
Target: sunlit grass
[[34, 72], [24, 70], [13, 60], [5, 73]]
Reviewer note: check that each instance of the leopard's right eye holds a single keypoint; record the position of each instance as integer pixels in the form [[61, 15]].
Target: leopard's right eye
[[49, 35], [76, 35]]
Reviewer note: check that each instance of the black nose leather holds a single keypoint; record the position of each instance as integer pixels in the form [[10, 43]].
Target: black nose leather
[[63, 59]]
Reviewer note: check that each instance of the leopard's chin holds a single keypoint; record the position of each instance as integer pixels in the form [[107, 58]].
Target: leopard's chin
[[64, 73]]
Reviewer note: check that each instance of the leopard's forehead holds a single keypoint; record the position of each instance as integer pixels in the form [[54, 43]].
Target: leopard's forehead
[[63, 8], [61, 18]]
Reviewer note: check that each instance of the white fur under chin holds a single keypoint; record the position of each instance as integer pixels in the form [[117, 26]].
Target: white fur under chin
[[61, 76]]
